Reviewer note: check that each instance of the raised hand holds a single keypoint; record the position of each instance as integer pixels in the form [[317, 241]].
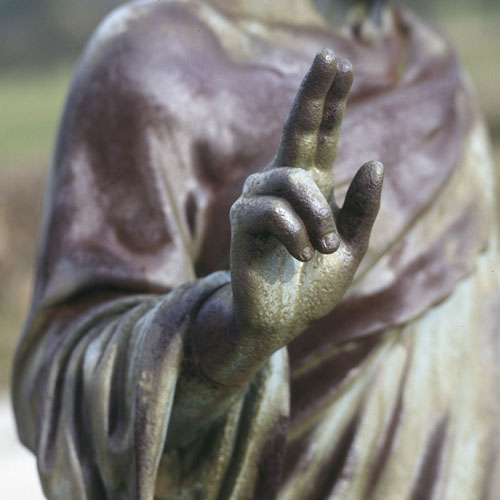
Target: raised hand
[[293, 251]]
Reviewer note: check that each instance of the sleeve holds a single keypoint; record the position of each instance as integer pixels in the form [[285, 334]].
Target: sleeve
[[99, 363]]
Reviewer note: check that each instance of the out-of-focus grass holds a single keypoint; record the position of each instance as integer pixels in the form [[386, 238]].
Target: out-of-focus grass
[[21, 194], [30, 104], [478, 43]]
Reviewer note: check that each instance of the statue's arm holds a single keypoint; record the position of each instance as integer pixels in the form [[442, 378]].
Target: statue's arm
[[293, 251]]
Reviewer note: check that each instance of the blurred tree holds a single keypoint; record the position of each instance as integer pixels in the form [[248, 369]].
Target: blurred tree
[[36, 32], [43, 31]]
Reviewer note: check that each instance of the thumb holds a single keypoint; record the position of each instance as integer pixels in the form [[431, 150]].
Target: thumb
[[362, 201]]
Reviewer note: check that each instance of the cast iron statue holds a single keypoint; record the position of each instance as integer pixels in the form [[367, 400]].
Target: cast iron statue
[[209, 321]]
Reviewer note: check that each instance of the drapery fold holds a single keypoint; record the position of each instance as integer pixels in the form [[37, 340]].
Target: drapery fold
[[105, 399]]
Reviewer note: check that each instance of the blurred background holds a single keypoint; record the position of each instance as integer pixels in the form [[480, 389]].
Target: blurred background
[[40, 41]]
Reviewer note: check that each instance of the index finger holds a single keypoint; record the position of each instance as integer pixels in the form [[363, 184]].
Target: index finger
[[298, 142]]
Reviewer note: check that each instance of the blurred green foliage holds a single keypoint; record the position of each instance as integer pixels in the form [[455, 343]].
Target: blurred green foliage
[[38, 32], [31, 101], [38, 36]]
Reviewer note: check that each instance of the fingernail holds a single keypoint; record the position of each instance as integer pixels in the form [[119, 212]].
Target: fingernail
[[306, 254], [330, 242]]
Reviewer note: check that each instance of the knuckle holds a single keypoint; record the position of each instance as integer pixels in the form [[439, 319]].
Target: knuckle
[[332, 115], [298, 180], [294, 177], [277, 210], [236, 210], [294, 230], [324, 213], [251, 183], [278, 214], [283, 220]]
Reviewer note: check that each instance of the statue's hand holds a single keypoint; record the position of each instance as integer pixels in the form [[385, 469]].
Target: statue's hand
[[293, 251]]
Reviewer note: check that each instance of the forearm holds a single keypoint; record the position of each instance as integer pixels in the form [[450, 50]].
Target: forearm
[[223, 354], [229, 347]]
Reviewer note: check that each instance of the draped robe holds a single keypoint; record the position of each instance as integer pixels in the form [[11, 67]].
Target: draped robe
[[391, 396]]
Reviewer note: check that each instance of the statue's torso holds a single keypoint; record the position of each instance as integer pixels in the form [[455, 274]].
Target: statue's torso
[[176, 94]]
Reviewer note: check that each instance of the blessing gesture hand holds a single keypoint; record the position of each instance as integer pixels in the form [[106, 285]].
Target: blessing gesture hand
[[294, 252]]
